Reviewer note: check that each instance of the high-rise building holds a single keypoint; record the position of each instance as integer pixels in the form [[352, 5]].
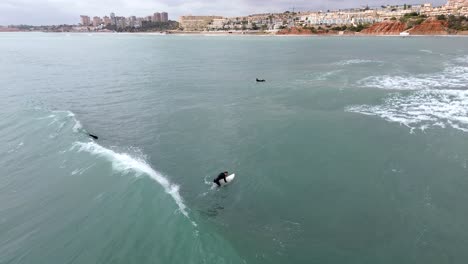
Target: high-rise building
[[149, 18], [139, 22], [85, 21], [113, 19], [121, 22], [107, 21], [132, 21], [97, 21], [157, 17], [164, 17]]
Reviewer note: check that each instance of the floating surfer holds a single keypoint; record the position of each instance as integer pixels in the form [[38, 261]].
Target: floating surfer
[[260, 80]]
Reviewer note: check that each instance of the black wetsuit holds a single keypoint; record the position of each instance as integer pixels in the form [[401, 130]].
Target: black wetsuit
[[220, 176]]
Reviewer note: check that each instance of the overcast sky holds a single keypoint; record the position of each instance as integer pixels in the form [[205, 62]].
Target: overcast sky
[[46, 12]]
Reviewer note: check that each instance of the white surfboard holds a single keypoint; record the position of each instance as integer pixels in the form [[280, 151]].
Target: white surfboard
[[228, 179]]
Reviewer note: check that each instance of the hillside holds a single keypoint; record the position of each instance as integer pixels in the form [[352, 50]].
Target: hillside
[[385, 28]]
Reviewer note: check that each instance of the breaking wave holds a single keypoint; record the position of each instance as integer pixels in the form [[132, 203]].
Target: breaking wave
[[454, 77], [463, 59], [422, 109], [62, 116], [77, 127], [123, 162]]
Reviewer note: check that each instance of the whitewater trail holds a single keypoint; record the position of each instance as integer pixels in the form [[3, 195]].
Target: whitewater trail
[[124, 162]]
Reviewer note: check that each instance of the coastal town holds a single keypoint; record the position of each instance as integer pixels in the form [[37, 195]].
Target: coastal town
[[120, 22], [365, 15], [450, 18]]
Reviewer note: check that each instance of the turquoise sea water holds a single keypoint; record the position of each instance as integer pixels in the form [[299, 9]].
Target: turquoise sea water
[[355, 150]]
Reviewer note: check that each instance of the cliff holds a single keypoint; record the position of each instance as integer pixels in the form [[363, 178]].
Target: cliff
[[385, 28], [430, 27], [418, 25]]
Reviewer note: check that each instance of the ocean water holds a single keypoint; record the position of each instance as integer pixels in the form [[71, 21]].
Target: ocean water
[[355, 150]]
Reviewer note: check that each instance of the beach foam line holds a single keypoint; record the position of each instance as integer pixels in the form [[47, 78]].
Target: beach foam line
[[123, 162]]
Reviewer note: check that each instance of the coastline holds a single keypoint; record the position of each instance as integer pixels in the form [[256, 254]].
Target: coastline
[[243, 34]]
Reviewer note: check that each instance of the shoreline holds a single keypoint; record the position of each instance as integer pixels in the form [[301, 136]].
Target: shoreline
[[237, 34]]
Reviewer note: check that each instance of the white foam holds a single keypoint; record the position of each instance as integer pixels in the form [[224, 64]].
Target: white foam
[[453, 76], [81, 171], [209, 183], [355, 61], [77, 127], [463, 59], [422, 109], [427, 51], [20, 145], [46, 117], [69, 114], [123, 162], [324, 76]]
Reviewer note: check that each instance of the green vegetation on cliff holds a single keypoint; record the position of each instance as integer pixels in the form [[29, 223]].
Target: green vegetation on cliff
[[412, 19], [357, 28], [458, 22]]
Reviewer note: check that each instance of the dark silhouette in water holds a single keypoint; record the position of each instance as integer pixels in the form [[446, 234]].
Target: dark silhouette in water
[[213, 211], [93, 136], [260, 80], [222, 175]]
